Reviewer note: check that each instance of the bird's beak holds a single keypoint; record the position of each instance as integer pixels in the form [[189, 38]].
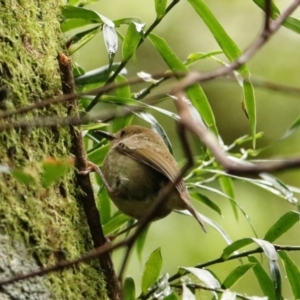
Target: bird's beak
[[105, 135]]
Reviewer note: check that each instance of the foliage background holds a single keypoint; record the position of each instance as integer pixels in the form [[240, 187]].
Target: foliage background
[[179, 237]]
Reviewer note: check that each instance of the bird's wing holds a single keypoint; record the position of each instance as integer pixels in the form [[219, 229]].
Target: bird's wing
[[163, 164], [154, 160]]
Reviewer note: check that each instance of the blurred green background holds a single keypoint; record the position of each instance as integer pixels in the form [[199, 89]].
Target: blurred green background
[[182, 241]]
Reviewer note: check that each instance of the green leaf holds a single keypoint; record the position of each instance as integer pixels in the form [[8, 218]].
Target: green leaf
[[276, 277], [127, 21], [141, 240], [160, 8], [235, 246], [72, 24], [93, 126], [228, 188], [280, 187], [217, 227], [195, 93], [81, 2], [104, 205], [205, 276], [274, 9], [263, 279], [293, 128], [129, 289], [293, 24], [99, 75], [229, 48], [205, 200], [292, 272], [232, 52], [132, 102], [249, 99], [23, 177], [98, 154], [117, 221], [152, 270], [236, 274], [80, 39], [290, 22], [268, 248], [122, 92], [131, 41], [285, 222], [72, 12], [53, 170], [196, 56]]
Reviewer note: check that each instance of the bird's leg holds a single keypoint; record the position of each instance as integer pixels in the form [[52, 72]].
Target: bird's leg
[[127, 229], [94, 168]]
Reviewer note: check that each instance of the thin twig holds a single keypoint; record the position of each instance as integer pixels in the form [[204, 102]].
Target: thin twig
[[268, 14], [206, 288], [221, 260], [85, 194], [71, 96], [194, 77]]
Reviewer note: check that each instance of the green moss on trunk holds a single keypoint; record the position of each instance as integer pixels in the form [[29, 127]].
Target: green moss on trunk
[[48, 222]]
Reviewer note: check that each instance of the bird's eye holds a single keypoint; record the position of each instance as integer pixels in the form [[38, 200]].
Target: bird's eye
[[122, 133]]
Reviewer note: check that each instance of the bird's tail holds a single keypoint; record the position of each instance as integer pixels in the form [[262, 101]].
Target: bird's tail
[[194, 212]]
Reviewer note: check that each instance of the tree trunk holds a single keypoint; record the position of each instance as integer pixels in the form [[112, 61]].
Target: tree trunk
[[39, 226]]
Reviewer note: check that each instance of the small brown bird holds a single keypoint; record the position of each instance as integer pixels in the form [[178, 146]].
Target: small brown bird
[[137, 168]]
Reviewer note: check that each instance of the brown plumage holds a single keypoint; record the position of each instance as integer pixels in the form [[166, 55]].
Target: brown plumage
[[137, 168]]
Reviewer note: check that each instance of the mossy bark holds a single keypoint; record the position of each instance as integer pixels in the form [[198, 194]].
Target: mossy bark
[[38, 226]]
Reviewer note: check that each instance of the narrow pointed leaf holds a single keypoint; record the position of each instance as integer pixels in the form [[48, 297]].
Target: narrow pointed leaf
[[232, 52], [80, 39], [236, 245], [249, 99], [72, 12], [127, 21], [268, 248], [293, 128], [122, 92], [97, 155], [23, 177], [115, 223], [53, 170], [152, 270], [236, 274], [131, 41], [205, 200], [160, 8], [140, 242], [290, 22], [228, 188], [287, 221], [292, 272], [72, 24], [129, 289], [104, 205], [99, 75], [226, 43], [194, 92], [205, 276], [263, 279]]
